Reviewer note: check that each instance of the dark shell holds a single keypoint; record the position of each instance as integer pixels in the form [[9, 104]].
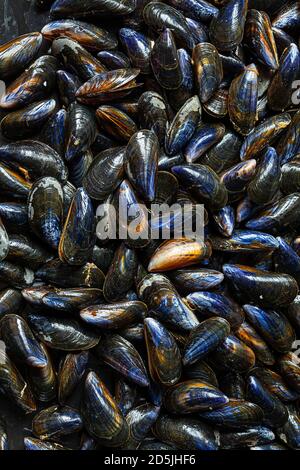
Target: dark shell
[[201, 10], [78, 235], [217, 105], [274, 383], [275, 413], [108, 86], [122, 356], [232, 383], [191, 280], [140, 420], [251, 338], [165, 303], [36, 83], [158, 16], [165, 61], [4, 443], [60, 274], [205, 136], [287, 18], [234, 355], [16, 54], [236, 178], [114, 316], [4, 241], [208, 70], [265, 184], [91, 8], [198, 30], [289, 144], [181, 94], [290, 370], [65, 334], [120, 276], [260, 39], [203, 183], [262, 287], [43, 380], [202, 371], [137, 47], [289, 433], [81, 130], [185, 433], [13, 214], [27, 121], [141, 163], [116, 123], [78, 168], [153, 114], [245, 241], [101, 415], [15, 275], [88, 35], [54, 132], [256, 435], [70, 374], [67, 84], [20, 343], [10, 301], [204, 339], [263, 134], [282, 85], [125, 395], [178, 253], [227, 28], [56, 421], [224, 154], [242, 100], [192, 396], [13, 386], [273, 326], [164, 359], [224, 220], [76, 58], [31, 443], [235, 414], [45, 210], [114, 60]]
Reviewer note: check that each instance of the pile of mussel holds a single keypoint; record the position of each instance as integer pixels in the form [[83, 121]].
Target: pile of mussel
[[142, 343]]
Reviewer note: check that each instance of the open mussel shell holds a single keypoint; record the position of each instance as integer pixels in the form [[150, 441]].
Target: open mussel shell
[[58, 332], [116, 122], [78, 235], [10, 301], [282, 85], [153, 113], [289, 432], [275, 413], [165, 61], [35, 157], [13, 386], [88, 35], [122, 356], [34, 84], [242, 100], [235, 414], [27, 121], [15, 275], [203, 183], [205, 136], [158, 16], [142, 154], [137, 47], [70, 374], [183, 126], [227, 28], [4, 443], [140, 420], [20, 343], [263, 134], [16, 54], [43, 380], [91, 8], [56, 421], [245, 241], [262, 287], [208, 70], [45, 210], [76, 58], [108, 86], [101, 415], [64, 300], [165, 303], [195, 279], [115, 315], [186, 433], [63, 275], [164, 359], [251, 338], [178, 253], [260, 39], [211, 304], [204, 339], [81, 130], [265, 184], [121, 273], [105, 173], [193, 395], [273, 326]]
